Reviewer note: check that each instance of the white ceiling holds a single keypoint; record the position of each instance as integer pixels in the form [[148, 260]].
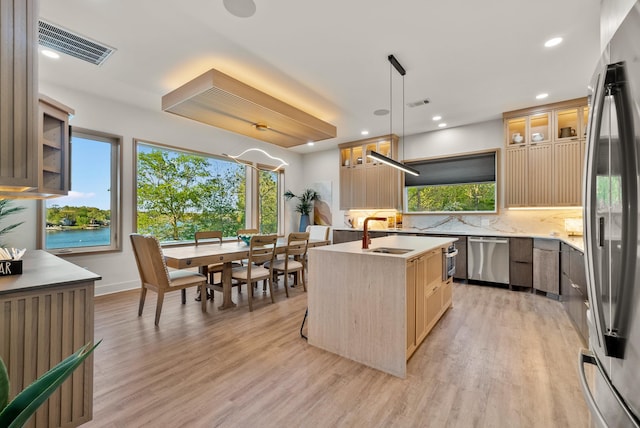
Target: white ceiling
[[472, 59]]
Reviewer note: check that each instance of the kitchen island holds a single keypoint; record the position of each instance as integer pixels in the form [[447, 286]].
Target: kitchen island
[[377, 305], [46, 315]]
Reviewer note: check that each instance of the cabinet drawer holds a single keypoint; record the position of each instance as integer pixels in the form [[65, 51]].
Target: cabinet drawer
[[520, 274], [521, 250]]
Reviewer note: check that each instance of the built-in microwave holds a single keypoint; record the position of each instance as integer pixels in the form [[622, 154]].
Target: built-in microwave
[[449, 261]]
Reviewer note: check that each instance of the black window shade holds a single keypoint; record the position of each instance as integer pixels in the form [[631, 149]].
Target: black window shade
[[476, 168]]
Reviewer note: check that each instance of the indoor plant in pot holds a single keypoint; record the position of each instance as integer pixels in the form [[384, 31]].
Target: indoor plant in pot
[[304, 206]]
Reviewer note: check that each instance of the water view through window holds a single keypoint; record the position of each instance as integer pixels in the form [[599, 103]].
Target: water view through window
[[83, 217]]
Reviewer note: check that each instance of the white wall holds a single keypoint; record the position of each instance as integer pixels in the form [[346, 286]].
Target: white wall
[[118, 269]]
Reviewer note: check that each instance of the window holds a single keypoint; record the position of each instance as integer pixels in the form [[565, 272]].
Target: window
[[87, 219], [268, 197], [464, 183], [181, 192]]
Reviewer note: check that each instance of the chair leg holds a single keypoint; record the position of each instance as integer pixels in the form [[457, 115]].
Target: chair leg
[[184, 296], [159, 306], [271, 290], [143, 294], [286, 283], [250, 295], [203, 292], [304, 279]]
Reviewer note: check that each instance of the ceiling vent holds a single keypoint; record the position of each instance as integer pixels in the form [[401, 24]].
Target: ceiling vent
[[62, 40], [224, 102], [418, 103]]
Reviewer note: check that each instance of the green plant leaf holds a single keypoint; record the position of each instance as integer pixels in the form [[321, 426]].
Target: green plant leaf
[[24, 405], [4, 385]]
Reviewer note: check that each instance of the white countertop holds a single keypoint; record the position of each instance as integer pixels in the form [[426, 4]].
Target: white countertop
[[417, 245], [576, 242]]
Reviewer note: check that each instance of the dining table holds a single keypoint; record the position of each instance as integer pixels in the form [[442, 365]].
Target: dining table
[[201, 256]]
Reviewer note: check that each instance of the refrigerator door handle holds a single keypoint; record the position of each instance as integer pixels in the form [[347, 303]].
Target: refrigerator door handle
[[587, 357], [616, 336], [601, 232]]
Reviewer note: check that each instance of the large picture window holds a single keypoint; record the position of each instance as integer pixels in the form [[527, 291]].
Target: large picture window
[[466, 183], [179, 192], [87, 219]]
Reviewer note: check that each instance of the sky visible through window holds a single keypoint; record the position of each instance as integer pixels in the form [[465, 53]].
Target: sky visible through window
[[90, 176]]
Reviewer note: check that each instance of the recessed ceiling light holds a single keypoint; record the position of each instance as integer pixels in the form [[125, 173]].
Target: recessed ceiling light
[[310, 143], [381, 112], [364, 132], [553, 42], [50, 54], [442, 125], [542, 96], [436, 117]]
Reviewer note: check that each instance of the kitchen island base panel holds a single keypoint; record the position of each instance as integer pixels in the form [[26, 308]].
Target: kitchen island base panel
[[340, 318]]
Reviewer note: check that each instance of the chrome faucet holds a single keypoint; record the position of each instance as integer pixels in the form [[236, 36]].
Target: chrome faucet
[[365, 236]]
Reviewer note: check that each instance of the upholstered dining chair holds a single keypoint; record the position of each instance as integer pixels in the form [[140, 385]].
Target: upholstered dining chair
[[210, 237], [319, 232], [262, 250], [294, 260], [155, 276]]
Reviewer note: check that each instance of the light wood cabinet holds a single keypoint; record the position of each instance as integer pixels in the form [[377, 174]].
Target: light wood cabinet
[[428, 297], [366, 183], [19, 96], [54, 154], [545, 154], [540, 168]]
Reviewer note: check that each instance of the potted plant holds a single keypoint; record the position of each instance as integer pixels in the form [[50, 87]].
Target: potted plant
[[6, 210], [304, 206], [15, 413]]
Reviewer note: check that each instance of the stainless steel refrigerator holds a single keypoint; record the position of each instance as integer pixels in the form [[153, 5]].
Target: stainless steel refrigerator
[[611, 217]]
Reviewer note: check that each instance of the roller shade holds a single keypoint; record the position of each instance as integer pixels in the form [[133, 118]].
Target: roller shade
[[477, 168]]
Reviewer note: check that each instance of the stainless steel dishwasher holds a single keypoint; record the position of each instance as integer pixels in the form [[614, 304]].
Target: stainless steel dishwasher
[[489, 259]]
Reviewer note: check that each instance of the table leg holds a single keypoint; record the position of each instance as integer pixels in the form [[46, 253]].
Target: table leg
[[226, 287]]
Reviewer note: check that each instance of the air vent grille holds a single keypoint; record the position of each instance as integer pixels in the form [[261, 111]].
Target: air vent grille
[[55, 37]]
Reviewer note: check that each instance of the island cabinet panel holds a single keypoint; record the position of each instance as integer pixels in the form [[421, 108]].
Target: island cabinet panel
[[412, 299]]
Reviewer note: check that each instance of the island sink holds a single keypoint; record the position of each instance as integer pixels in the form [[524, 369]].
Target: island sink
[[391, 250]]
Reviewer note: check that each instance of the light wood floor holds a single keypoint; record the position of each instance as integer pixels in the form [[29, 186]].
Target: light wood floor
[[498, 358]]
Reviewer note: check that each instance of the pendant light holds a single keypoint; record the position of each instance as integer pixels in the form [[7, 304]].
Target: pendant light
[[377, 156]]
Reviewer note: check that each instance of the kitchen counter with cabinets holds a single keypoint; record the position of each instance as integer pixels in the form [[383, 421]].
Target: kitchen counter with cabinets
[[377, 307], [47, 314]]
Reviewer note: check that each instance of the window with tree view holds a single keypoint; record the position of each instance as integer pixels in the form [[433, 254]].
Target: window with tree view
[[179, 193], [86, 220], [268, 200], [454, 184]]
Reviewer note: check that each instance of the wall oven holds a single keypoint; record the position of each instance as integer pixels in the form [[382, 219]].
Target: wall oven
[[449, 261]]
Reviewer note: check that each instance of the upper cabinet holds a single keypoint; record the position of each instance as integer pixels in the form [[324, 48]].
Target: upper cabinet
[[364, 182], [53, 169], [18, 96], [34, 132], [545, 154]]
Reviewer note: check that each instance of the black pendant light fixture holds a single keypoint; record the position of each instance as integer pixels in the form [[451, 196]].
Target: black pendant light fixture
[[377, 156]]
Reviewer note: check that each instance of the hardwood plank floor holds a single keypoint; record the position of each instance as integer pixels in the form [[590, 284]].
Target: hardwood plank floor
[[498, 358]]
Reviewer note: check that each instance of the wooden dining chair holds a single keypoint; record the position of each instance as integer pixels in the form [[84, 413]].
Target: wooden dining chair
[[294, 260], [155, 276], [262, 251], [210, 237]]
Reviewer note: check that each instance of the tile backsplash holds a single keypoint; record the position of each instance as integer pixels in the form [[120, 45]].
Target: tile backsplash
[[535, 222]]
